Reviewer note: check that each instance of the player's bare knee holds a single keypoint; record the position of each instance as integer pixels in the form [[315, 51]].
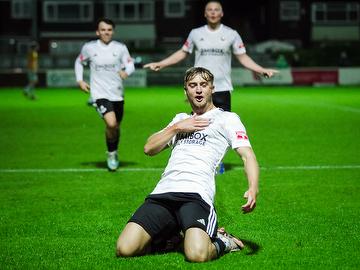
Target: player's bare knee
[[123, 250], [112, 126], [196, 255]]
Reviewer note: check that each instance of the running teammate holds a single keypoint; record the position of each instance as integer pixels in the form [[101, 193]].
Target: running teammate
[[183, 200], [110, 64]]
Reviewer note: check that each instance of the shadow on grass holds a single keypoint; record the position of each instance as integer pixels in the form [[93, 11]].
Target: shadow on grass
[[102, 164], [231, 166], [176, 245], [251, 248]]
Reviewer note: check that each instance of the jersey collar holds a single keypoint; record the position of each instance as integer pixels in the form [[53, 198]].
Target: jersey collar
[[212, 111], [213, 31], [103, 45]]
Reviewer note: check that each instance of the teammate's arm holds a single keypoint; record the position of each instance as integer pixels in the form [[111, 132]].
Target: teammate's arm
[[251, 169], [128, 64], [159, 141], [79, 71], [173, 59], [250, 64], [82, 59]]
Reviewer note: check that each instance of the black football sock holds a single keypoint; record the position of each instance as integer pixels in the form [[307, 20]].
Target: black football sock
[[220, 247]]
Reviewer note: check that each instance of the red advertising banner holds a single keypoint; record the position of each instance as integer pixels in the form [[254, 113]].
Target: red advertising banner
[[315, 76]]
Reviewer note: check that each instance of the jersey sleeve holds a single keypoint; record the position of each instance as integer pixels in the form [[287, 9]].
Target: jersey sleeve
[[189, 43], [84, 56], [80, 61], [238, 45], [236, 132], [127, 62]]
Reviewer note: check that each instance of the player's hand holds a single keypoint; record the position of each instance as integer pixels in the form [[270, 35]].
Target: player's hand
[[250, 205], [268, 73], [236, 240], [192, 124], [155, 66], [123, 75], [84, 86]]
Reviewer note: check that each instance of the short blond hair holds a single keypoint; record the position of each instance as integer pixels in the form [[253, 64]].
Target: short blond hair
[[203, 72]]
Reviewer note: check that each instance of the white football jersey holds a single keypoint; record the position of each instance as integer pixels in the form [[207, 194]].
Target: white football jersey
[[195, 156], [105, 60], [213, 51]]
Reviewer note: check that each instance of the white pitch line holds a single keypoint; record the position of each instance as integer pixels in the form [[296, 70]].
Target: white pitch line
[[65, 170], [339, 107], [312, 167], [273, 168], [319, 104]]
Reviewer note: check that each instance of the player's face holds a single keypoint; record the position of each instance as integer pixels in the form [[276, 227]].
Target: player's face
[[213, 13], [199, 92], [105, 32]]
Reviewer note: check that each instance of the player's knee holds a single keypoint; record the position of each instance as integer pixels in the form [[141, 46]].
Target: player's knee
[[113, 125], [196, 254], [123, 250]]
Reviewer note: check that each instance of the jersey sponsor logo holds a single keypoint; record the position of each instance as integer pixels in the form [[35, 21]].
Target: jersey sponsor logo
[[241, 135], [106, 67], [212, 52], [198, 138]]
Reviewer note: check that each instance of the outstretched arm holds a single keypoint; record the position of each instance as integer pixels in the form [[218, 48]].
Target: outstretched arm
[[173, 59], [158, 141], [248, 63], [251, 168]]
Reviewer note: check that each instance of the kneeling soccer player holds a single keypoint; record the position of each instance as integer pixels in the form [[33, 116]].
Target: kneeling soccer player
[[183, 200]]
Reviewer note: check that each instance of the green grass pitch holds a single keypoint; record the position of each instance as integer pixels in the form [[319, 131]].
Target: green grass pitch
[[61, 209]]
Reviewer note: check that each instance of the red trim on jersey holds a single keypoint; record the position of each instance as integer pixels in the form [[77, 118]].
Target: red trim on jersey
[[242, 45], [187, 44], [241, 135]]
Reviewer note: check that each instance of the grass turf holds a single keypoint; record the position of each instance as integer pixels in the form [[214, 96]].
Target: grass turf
[[307, 141]]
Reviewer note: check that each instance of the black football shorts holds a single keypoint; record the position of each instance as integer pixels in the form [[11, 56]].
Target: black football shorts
[[165, 215], [103, 106]]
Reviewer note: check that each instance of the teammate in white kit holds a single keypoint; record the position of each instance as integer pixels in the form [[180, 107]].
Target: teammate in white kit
[[214, 44], [183, 200], [110, 63]]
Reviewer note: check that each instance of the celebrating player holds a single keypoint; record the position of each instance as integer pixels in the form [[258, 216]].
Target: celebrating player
[[183, 200], [213, 44], [110, 64]]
